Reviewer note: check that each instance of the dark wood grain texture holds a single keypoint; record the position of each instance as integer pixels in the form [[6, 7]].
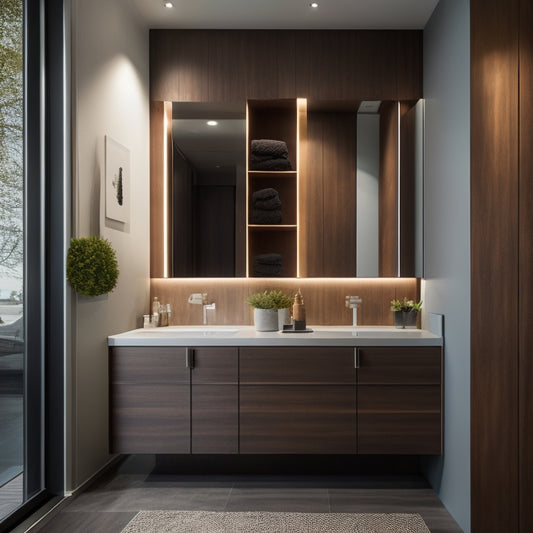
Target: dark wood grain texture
[[494, 40], [297, 365], [525, 296], [399, 400], [297, 419], [234, 65], [149, 400]]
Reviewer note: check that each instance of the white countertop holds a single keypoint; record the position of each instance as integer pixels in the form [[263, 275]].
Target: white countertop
[[248, 336]]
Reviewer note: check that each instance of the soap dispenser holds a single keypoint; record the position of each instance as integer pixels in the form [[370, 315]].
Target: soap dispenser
[[298, 311]]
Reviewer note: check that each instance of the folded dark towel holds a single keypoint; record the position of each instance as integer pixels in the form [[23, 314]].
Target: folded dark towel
[[266, 217], [265, 194], [271, 164], [267, 271], [268, 205], [269, 147], [268, 259]]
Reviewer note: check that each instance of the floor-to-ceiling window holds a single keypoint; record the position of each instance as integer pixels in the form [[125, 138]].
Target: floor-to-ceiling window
[[11, 255], [33, 177]]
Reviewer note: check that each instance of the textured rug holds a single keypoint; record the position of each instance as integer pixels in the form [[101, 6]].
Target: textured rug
[[261, 522]]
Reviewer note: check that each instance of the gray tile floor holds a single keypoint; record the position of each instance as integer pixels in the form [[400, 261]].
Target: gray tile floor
[[111, 503]]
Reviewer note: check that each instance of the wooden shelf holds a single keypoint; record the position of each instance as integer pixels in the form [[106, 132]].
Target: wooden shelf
[[272, 227]]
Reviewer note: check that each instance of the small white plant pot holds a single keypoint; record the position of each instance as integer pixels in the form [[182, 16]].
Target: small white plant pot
[[266, 319], [284, 318]]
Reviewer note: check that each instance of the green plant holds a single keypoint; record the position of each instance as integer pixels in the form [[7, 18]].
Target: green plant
[[269, 300], [405, 305], [92, 267]]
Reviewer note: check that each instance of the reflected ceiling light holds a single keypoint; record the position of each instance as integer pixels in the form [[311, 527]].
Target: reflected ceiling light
[[314, 5], [169, 5], [212, 123]]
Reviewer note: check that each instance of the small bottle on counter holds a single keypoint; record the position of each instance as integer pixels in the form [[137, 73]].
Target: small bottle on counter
[[163, 318], [169, 314], [155, 312], [298, 311]]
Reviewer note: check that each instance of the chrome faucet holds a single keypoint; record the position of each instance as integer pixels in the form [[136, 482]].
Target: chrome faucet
[[201, 299], [353, 302]]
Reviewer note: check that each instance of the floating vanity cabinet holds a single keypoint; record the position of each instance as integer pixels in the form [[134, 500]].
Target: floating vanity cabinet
[[297, 400], [214, 400], [149, 400], [399, 399], [273, 120]]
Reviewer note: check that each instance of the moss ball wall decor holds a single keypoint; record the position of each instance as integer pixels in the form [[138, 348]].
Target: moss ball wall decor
[[92, 267]]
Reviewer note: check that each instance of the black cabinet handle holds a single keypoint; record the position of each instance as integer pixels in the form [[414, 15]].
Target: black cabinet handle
[[356, 357], [189, 357]]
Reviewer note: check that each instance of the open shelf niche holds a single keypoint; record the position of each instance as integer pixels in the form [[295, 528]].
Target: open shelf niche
[[276, 120]]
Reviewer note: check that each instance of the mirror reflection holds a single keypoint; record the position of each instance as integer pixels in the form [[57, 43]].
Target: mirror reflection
[[382, 221]]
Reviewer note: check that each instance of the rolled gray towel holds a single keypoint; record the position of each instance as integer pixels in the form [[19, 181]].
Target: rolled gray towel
[[272, 204], [266, 217], [271, 164], [267, 271], [269, 147], [268, 259], [265, 194]]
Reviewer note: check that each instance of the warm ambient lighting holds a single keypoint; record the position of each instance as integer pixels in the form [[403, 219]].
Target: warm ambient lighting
[[169, 5], [212, 123]]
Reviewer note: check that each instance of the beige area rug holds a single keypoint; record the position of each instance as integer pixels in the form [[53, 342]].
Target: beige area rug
[[261, 522]]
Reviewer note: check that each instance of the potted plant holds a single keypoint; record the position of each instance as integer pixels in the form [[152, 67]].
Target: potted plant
[[92, 267], [266, 305], [405, 312]]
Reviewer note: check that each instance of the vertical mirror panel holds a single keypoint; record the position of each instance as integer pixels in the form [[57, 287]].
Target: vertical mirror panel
[[208, 189]]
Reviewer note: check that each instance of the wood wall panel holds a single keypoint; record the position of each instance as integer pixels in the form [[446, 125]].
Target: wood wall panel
[[179, 65], [158, 173], [233, 65], [494, 265], [525, 338], [324, 298]]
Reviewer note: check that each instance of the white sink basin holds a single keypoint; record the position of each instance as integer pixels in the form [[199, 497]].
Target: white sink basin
[[191, 331]]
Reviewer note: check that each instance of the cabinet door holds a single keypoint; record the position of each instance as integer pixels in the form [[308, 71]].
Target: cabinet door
[[399, 400], [215, 400], [149, 400], [297, 400]]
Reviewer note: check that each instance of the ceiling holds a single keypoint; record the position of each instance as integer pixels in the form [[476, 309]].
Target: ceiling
[[285, 14]]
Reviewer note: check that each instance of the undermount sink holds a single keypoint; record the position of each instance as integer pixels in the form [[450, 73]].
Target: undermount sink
[[192, 330]]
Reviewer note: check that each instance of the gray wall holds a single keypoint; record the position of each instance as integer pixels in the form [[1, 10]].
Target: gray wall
[[110, 97], [446, 288], [367, 195]]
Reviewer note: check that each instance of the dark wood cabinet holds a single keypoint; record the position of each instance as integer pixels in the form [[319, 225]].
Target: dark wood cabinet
[[297, 400], [173, 400], [149, 400], [399, 399], [276, 400], [215, 400]]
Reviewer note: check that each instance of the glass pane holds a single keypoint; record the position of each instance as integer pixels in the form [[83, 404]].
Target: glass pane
[[11, 256]]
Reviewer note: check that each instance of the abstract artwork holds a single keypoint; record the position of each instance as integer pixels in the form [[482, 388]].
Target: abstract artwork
[[117, 181]]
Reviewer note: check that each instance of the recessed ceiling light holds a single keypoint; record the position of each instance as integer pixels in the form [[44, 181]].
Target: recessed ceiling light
[[212, 123], [169, 5], [314, 5]]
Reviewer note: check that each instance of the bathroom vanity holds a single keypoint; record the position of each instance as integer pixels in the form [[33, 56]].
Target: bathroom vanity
[[232, 390]]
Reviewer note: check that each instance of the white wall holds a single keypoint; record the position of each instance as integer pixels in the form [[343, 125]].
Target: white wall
[[446, 288], [110, 97]]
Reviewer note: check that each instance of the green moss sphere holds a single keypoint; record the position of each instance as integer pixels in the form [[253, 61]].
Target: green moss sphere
[[92, 267]]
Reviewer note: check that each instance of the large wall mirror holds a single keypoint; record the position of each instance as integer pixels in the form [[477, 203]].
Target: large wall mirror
[[363, 173]]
